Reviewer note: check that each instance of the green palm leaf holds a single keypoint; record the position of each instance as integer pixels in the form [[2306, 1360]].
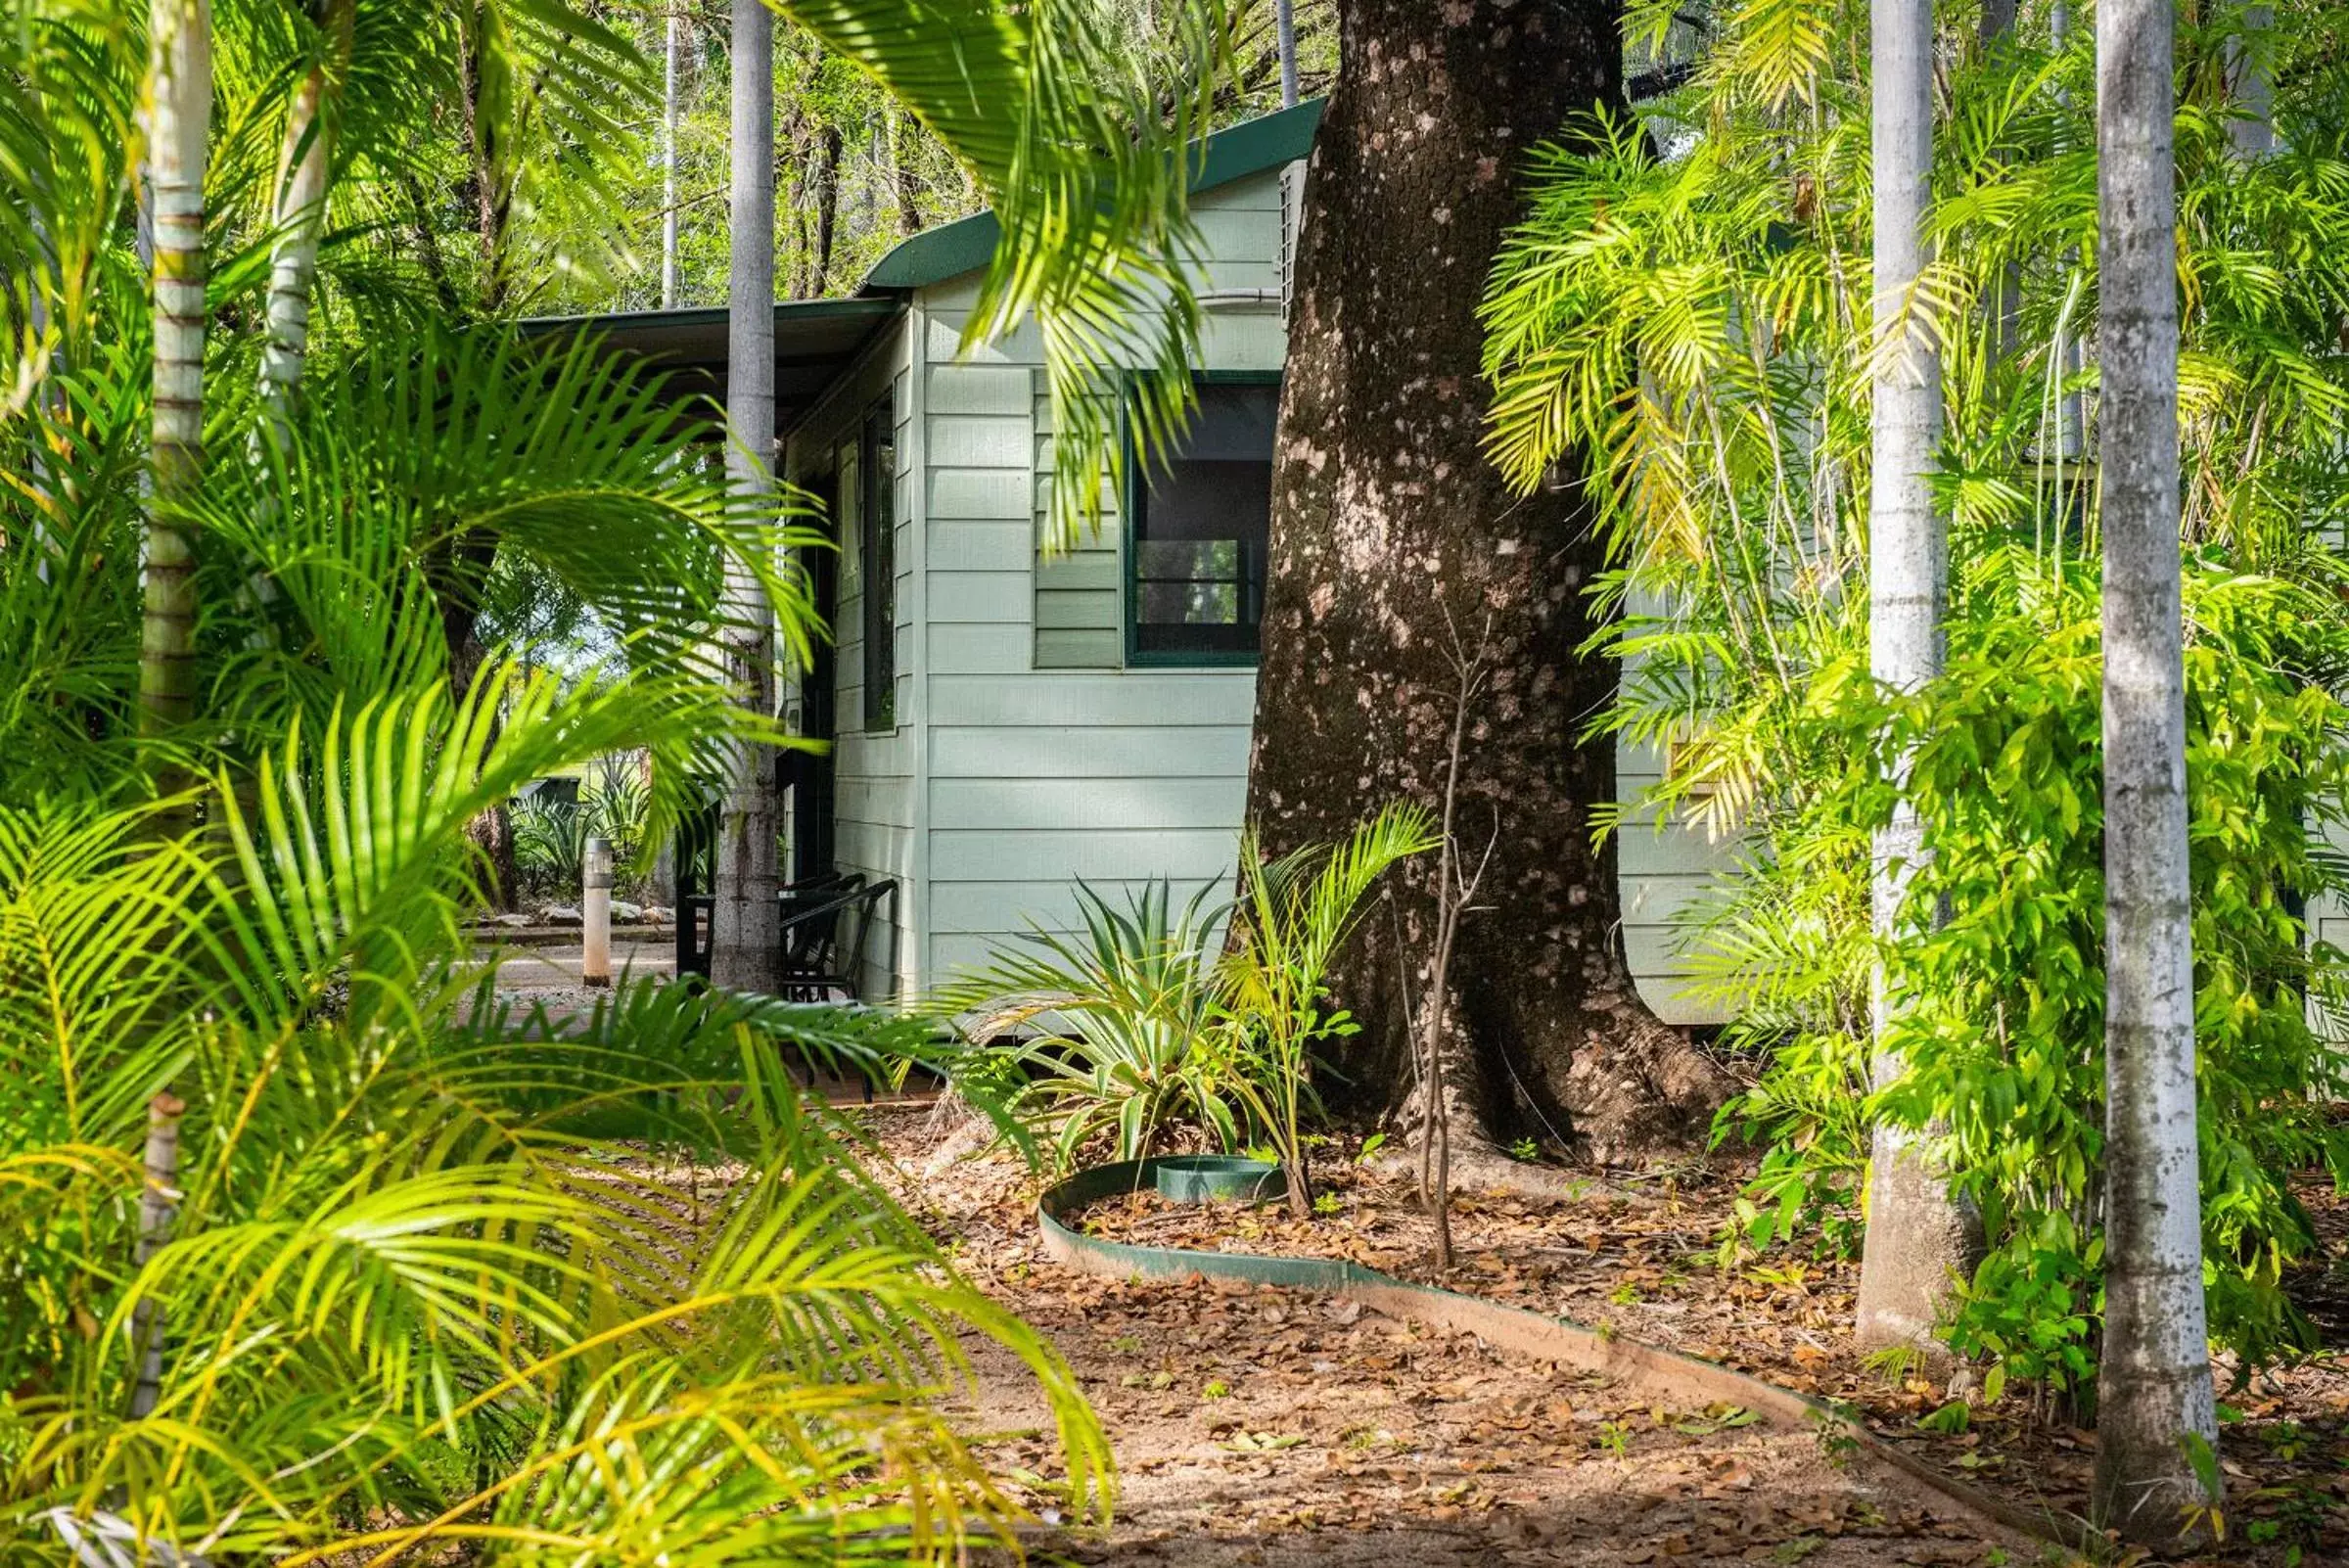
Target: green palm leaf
[[1078, 145]]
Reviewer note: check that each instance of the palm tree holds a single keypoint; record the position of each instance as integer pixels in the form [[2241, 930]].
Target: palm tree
[[475, 1329], [463, 1303], [1917, 1237], [179, 111], [745, 922], [1074, 137], [477, 1300], [301, 206], [2156, 1426], [672, 64], [1284, 31]]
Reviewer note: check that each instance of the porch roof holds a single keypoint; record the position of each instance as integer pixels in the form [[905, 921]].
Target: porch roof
[[815, 340]]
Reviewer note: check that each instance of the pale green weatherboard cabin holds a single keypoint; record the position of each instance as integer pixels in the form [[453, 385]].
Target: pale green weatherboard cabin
[[1004, 724]]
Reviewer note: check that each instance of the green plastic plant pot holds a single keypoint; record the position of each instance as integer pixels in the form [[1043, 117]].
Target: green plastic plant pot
[[1199, 1177]]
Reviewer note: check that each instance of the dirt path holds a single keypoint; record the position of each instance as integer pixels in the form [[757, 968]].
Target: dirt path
[[1257, 1426]]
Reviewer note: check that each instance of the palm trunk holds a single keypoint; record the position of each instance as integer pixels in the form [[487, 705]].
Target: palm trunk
[[159, 1206], [744, 924], [300, 221], [2006, 301], [178, 125], [2154, 1397], [1380, 528], [492, 174], [1917, 1239], [2070, 425], [673, 58]]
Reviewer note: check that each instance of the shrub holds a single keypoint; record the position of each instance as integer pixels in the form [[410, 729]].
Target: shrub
[[1111, 1032], [1211, 1017], [550, 835], [2001, 1002]]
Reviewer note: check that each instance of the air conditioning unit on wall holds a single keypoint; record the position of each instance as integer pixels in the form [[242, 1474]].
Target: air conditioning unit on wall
[[1292, 223]]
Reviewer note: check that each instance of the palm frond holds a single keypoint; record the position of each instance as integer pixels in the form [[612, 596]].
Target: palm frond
[[1079, 145]]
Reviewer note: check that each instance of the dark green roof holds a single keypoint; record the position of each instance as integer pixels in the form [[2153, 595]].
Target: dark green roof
[[815, 340], [1252, 147]]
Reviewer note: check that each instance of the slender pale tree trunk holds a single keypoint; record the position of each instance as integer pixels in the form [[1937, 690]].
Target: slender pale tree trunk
[[300, 217], [2253, 127], [824, 188], [2006, 301], [180, 111], [1918, 1237], [2071, 430], [743, 927], [1284, 38], [673, 57], [903, 129], [2155, 1401], [159, 1206]]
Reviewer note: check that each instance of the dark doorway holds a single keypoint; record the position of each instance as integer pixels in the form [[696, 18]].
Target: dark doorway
[[808, 775]]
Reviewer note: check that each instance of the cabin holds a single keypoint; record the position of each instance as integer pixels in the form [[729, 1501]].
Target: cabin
[[1003, 723]]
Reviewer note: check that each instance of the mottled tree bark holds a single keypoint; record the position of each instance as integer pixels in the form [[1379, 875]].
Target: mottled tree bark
[[1919, 1238], [456, 573], [2154, 1397], [1386, 519]]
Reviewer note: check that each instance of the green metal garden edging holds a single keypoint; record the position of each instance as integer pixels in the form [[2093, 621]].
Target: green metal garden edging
[[1531, 1333], [1199, 1177]]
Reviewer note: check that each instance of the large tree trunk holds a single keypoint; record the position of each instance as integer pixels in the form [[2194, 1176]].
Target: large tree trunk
[[491, 831], [179, 114], [2153, 1386], [1919, 1241], [1386, 521], [744, 924]]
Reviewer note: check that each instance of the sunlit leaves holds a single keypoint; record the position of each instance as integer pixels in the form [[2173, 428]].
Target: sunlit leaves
[[1078, 142], [1685, 316], [414, 1287]]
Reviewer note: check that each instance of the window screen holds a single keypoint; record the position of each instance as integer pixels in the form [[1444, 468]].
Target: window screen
[[877, 542], [1200, 522]]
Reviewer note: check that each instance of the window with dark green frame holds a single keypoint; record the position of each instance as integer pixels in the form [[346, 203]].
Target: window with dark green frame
[[1197, 530], [877, 543]]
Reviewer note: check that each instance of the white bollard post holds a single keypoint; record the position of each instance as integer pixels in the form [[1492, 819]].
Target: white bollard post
[[595, 909]]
